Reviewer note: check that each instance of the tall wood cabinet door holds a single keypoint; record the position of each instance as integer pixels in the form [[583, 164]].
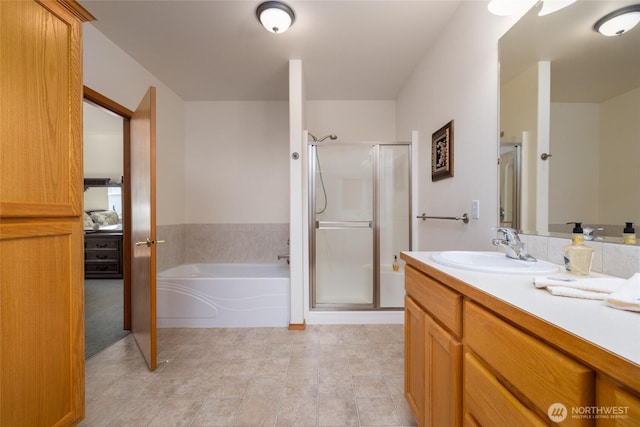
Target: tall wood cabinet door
[[443, 374], [41, 230], [414, 380]]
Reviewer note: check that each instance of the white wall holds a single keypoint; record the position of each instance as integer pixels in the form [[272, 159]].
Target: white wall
[[574, 170], [619, 153], [237, 162], [457, 79], [102, 144], [114, 74], [353, 121]]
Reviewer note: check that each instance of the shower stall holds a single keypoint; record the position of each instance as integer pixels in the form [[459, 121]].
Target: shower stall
[[359, 197]]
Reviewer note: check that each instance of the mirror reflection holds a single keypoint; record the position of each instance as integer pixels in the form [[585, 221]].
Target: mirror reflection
[[570, 122]]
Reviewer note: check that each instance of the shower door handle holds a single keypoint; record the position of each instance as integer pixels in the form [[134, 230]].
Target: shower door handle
[[332, 225]]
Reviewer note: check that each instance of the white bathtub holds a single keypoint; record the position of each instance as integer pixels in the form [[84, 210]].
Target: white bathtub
[[223, 295]]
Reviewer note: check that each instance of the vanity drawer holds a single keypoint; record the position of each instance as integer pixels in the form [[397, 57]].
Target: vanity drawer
[[442, 302], [489, 403], [540, 373]]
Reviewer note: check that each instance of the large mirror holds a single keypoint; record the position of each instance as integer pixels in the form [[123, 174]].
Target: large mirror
[[570, 122]]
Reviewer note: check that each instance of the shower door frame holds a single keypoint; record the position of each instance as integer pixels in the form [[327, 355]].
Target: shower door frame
[[375, 224]]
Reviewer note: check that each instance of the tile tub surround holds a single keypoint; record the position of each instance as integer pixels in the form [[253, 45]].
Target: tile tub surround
[[326, 375], [221, 243], [614, 259], [243, 243], [171, 253]]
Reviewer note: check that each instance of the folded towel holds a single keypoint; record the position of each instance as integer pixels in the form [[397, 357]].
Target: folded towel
[[579, 287], [628, 296]]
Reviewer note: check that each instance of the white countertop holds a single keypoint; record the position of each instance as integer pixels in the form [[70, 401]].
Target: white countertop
[[617, 331]]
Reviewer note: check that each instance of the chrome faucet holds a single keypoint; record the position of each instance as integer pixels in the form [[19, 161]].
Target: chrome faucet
[[512, 244]]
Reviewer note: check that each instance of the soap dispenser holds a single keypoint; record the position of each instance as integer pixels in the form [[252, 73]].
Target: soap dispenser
[[629, 234], [396, 266], [577, 256]]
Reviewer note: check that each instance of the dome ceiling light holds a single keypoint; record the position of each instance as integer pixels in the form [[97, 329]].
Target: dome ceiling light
[[619, 21], [275, 16]]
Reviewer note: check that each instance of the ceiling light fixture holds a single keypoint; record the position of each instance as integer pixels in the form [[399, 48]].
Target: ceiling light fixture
[[275, 16], [619, 21]]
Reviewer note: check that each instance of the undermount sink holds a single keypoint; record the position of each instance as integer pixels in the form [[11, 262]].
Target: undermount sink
[[492, 262]]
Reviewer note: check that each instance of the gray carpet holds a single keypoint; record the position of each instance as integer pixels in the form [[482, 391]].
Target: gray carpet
[[103, 314]]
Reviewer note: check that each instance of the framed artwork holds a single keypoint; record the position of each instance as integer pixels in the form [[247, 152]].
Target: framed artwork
[[442, 152]]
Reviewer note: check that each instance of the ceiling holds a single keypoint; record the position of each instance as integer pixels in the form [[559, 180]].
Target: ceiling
[[217, 50]]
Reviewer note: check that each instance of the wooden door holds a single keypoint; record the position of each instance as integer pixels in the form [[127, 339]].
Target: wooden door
[[143, 227], [41, 227]]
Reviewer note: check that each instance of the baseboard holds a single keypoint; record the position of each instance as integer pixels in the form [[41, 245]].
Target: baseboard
[[297, 326]]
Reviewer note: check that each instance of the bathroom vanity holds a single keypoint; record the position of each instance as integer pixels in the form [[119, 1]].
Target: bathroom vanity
[[485, 349]]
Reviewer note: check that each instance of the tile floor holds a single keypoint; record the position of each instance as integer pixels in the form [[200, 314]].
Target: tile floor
[[326, 375]]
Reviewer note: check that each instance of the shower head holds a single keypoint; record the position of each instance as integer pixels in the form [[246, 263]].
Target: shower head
[[332, 137]]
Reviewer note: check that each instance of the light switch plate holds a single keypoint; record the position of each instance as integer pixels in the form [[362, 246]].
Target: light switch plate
[[475, 209]]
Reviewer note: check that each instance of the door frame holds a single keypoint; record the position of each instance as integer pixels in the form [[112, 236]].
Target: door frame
[[102, 101]]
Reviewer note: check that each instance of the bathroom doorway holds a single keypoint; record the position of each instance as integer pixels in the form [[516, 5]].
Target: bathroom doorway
[[359, 195]]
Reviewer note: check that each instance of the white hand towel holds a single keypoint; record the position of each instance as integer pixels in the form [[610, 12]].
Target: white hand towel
[[579, 287], [628, 296]]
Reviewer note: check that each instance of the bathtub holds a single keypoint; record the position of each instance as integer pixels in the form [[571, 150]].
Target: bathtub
[[223, 295]]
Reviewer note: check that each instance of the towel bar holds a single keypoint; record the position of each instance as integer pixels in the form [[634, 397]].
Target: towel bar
[[464, 218]]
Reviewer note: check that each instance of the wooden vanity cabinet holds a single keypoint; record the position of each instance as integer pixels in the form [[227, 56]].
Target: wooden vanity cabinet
[[433, 366], [486, 363], [621, 406]]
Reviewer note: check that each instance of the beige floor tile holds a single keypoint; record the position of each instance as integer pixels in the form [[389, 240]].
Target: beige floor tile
[[230, 387], [378, 411], [218, 413], [297, 412], [336, 411], [177, 412], [326, 375], [370, 386], [257, 411]]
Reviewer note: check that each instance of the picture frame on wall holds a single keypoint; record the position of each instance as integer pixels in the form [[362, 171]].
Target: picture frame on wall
[[442, 152]]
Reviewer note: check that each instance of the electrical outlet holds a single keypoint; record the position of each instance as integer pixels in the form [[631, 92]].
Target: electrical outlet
[[475, 209]]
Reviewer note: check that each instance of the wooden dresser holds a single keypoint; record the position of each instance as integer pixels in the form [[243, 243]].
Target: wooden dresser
[[103, 255]]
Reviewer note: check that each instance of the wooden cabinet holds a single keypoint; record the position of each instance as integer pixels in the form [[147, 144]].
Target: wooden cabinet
[[487, 363], [103, 256], [41, 227], [443, 364], [414, 366], [616, 405], [433, 381], [534, 372]]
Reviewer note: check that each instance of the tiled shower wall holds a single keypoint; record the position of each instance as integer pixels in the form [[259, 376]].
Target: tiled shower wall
[[221, 243], [614, 259]]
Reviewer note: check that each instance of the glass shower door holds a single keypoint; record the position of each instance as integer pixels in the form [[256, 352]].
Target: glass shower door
[[343, 218]]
